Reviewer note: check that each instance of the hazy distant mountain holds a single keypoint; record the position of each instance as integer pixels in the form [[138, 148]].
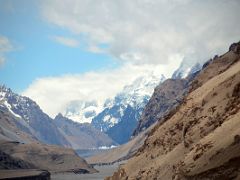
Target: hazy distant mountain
[[82, 136]]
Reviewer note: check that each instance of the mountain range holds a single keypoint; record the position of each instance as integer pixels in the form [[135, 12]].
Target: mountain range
[[30, 118], [111, 124], [118, 117], [25, 142], [26, 116]]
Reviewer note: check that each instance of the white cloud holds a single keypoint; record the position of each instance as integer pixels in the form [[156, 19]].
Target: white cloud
[[66, 41], [149, 31], [5, 47], [54, 93]]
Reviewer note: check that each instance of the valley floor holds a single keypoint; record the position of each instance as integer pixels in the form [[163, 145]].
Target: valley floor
[[104, 171]]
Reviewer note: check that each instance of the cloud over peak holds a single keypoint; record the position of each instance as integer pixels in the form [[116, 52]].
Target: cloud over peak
[[54, 93]]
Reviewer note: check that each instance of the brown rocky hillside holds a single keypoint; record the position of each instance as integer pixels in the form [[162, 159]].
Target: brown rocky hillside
[[200, 139], [41, 156]]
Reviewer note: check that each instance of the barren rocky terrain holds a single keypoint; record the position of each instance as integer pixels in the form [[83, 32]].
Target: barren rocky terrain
[[200, 138]]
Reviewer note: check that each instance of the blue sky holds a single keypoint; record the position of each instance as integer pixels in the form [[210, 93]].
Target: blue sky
[[35, 53]]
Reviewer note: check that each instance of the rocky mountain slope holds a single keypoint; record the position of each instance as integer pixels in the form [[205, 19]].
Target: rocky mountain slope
[[49, 157], [82, 136], [166, 96], [13, 128], [120, 116], [30, 118], [200, 138]]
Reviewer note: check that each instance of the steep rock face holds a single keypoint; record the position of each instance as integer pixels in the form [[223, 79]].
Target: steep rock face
[[82, 136], [31, 117], [200, 138], [165, 97]]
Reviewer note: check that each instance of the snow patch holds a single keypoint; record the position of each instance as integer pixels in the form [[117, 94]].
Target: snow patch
[[107, 147], [106, 118], [10, 110], [2, 95], [114, 120]]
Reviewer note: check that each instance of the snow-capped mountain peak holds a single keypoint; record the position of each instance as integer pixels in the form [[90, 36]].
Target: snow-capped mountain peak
[[139, 90], [16, 104], [134, 94], [127, 106]]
